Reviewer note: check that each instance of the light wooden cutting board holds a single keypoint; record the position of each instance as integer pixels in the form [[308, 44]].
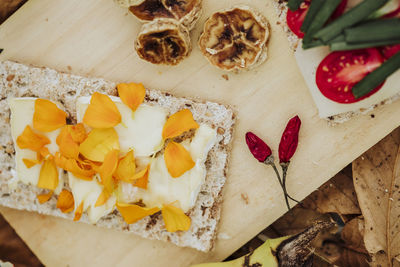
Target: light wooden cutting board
[[95, 38]]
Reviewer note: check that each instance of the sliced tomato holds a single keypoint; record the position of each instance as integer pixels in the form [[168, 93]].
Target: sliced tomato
[[390, 50], [340, 71], [295, 19]]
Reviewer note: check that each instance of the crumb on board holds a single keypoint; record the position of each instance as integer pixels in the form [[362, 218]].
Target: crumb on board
[[225, 76], [372, 116], [245, 197], [47, 19], [69, 67]]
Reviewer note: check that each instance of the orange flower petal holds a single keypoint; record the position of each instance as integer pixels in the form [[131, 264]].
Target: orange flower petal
[[48, 117], [65, 201], [175, 219], [45, 153], [84, 172], [179, 123], [78, 132], [134, 213], [78, 212], [29, 163], [126, 168], [43, 198], [98, 143], [48, 177], [131, 94], [177, 159], [104, 196], [107, 169], [68, 147], [31, 140], [142, 178], [101, 112]]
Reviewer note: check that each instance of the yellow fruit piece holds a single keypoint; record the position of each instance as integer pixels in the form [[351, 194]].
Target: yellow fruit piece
[[65, 201], [107, 169], [101, 112], [48, 177], [175, 219], [131, 94], [133, 213], [78, 212], [99, 143], [177, 159], [43, 198], [47, 116], [126, 168], [179, 123], [31, 140]]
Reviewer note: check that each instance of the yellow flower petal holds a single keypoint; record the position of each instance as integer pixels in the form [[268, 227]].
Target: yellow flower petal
[[78, 132], [102, 199], [126, 168], [45, 153], [134, 213], [29, 163], [177, 159], [101, 112], [107, 169], [131, 94], [31, 140], [98, 143], [48, 177], [48, 117], [65, 201], [81, 171], [68, 147], [142, 178], [179, 123], [175, 219], [43, 198], [78, 212]]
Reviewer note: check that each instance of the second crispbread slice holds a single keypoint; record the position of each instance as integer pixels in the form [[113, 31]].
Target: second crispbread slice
[[18, 80]]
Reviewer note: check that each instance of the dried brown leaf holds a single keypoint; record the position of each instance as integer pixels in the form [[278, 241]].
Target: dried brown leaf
[[377, 182], [352, 258], [337, 195], [353, 235]]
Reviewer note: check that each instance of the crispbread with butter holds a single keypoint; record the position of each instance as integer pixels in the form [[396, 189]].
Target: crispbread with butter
[[18, 80]]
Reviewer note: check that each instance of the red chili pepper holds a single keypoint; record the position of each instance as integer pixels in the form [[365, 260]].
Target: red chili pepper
[[258, 147], [289, 140]]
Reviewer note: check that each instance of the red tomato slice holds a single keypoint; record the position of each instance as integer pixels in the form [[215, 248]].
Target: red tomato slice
[[340, 71], [295, 18], [390, 50]]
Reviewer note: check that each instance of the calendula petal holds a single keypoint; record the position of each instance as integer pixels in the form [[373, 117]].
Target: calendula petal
[[43, 198], [101, 112], [142, 178], [126, 167], [179, 123], [131, 94], [31, 140], [177, 159], [107, 169], [98, 143], [84, 172], [134, 213], [68, 147], [47, 116], [78, 212], [102, 199], [78, 132], [48, 177], [65, 201], [29, 163], [175, 219]]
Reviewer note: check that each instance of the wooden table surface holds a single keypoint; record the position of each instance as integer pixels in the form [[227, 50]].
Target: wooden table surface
[[95, 38]]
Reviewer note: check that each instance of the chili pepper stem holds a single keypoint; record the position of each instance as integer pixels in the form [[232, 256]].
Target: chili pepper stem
[[285, 167]]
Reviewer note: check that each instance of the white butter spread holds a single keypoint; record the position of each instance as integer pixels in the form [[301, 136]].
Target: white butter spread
[[140, 130], [22, 110], [163, 189], [89, 192]]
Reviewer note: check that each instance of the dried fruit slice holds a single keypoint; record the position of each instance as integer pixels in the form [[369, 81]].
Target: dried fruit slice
[[186, 12], [235, 39], [163, 41]]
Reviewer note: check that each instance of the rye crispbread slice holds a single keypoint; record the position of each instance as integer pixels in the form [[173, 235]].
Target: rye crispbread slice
[[18, 80]]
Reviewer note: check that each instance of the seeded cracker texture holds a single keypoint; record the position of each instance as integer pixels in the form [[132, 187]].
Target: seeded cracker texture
[[18, 80], [294, 42]]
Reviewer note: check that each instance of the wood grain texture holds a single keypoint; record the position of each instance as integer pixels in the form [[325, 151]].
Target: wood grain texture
[[95, 38]]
